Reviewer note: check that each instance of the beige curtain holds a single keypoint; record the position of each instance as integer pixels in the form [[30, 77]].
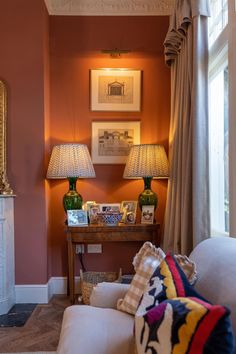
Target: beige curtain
[[187, 219]]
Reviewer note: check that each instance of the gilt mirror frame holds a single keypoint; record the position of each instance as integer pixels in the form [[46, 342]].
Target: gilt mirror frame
[[5, 188]]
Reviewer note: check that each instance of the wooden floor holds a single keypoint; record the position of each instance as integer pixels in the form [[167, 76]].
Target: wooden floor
[[41, 331]]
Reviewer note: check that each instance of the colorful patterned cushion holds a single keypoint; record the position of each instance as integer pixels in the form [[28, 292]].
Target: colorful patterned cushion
[[184, 325], [149, 262], [167, 281]]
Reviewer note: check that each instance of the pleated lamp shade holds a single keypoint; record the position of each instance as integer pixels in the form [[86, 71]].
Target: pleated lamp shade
[[70, 160], [147, 160]]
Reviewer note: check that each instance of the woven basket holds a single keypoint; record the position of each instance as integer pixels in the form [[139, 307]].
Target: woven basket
[[90, 279]]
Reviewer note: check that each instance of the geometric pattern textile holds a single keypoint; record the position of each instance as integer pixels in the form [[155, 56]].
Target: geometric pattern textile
[[168, 281], [184, 325]]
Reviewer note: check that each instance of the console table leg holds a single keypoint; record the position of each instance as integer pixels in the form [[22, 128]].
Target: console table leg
[[71, 267]]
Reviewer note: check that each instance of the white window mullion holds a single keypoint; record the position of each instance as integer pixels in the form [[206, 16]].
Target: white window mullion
[[232, 117], [216, 153], [218, 118]]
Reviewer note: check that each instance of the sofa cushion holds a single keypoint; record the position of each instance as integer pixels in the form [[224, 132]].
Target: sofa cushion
[[184, 325], [151, 258], [92, 330], [167, 281], [106, 294]]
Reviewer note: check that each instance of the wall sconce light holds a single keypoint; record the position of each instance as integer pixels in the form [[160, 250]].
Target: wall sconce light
[[115, 53], [71, 161], [147, 161]]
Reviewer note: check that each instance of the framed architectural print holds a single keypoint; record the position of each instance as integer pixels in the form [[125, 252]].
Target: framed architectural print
[[111, 141], [115, 90]]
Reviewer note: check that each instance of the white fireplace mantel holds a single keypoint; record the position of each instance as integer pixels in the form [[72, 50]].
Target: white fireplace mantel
[[7, 257]]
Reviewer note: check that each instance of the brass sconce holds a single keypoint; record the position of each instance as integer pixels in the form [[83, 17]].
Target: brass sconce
[[115, 53]]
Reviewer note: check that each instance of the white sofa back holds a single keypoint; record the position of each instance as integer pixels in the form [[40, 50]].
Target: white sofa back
[[216, 267]]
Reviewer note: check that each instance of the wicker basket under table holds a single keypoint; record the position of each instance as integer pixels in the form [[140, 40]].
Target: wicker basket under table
[[90, 279]]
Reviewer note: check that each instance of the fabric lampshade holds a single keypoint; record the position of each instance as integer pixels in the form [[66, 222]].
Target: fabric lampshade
[[147, 160], [70, 160]]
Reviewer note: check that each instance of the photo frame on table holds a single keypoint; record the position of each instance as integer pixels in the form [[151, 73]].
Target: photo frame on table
[[111, 141], [87, 204], [129, 208], [106, 207], [77, 217], [115, 90], [147, 215], [92, 213]]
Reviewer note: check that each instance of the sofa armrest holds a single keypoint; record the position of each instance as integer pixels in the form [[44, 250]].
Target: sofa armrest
[[107, 294]]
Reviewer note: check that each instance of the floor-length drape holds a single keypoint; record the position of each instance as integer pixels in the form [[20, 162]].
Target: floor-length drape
[[187, 219]]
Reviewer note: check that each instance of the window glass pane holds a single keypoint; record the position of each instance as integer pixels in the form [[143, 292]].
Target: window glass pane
[[218, 146], [218, 19], [226, 148]]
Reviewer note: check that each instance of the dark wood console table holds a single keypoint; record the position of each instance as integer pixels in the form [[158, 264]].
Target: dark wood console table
[[99, 234]]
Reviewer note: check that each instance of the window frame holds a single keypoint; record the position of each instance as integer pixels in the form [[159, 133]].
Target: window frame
[[218, 60], [227, 39]]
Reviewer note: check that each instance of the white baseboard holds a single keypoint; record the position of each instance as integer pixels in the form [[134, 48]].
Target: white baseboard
[[42, 293], [34, 294]]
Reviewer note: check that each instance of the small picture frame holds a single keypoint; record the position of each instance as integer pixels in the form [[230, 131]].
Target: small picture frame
[[93, 210], [77, 217], [87, 204], [110, 207], [130, 217], [129, 208], [147, 216]]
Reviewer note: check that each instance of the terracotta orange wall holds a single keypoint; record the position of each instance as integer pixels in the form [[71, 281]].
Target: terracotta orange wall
[[23, 27], [75, 44]]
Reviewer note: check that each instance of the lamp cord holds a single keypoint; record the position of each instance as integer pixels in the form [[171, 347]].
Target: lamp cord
[[81, 261]]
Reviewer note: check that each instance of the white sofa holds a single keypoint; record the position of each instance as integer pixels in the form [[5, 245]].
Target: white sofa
[[104, 330]]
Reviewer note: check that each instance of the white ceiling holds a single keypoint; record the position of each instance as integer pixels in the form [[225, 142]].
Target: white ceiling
[[109, 7]]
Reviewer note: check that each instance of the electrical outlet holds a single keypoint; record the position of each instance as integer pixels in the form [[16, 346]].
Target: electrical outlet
[[94, 248], [79, 249]]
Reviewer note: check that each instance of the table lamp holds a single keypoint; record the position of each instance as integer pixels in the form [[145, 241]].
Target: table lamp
[[147, 161], [71, 161]]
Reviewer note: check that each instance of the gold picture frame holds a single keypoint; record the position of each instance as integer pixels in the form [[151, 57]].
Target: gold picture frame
[[115, 90], [129, 208], [93, 213], [5, 188], [111, 141]]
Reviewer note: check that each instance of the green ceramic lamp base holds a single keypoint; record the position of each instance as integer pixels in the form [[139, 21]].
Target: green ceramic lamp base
[[72, 199], [147, 197]]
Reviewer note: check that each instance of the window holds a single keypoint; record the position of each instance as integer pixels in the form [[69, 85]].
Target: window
[[219, 118], [218, 19]]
